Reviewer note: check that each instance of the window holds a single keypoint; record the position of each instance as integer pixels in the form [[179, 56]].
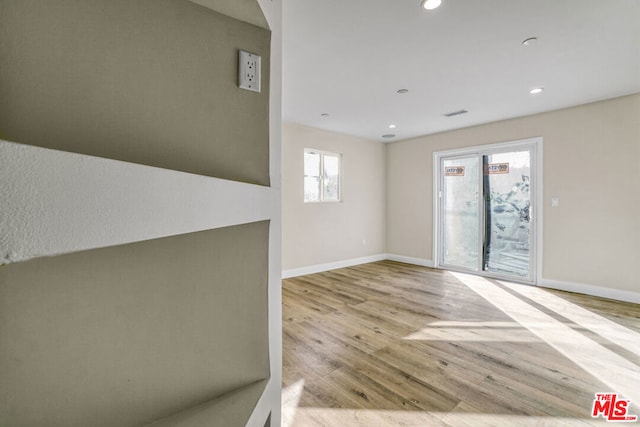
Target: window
[[321, 176]]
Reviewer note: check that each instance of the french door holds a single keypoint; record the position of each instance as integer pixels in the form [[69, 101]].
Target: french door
[[486, 199]]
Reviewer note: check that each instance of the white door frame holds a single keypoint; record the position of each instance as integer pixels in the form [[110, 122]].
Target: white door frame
[[535, 144]]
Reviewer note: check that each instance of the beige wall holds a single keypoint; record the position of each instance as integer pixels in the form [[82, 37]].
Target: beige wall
[[318, 233], [591, 162], [148, 81]]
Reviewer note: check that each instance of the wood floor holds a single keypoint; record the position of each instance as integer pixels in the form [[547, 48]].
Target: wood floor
[[390, 344]]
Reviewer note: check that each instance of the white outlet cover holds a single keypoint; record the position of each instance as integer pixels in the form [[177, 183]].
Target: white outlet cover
[[249, 71]]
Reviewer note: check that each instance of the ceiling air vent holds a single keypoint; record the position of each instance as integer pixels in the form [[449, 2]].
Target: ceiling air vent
[[455, 113]]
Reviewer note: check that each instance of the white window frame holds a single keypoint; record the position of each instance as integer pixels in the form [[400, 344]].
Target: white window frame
[[322, 154]]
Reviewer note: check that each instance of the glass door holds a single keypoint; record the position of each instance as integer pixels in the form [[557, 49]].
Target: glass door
[[485, 212], [507, 213], [461, 212]]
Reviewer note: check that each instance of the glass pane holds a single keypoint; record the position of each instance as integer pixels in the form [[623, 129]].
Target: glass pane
[[331, 178], [311, 189], [460, 212], [506, 190], [311, 176], [311, 163]]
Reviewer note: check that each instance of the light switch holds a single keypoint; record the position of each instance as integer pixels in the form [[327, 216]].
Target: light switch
[[555, 202]]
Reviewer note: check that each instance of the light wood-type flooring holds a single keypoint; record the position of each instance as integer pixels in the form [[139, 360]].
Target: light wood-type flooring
[[391, 344]]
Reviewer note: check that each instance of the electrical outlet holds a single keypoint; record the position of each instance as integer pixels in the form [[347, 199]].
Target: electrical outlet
[[249, 71]]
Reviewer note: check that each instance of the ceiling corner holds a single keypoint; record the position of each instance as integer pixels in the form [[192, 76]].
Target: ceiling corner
[[248, 11]]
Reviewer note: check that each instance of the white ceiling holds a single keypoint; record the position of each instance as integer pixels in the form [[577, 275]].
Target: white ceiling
[[348, 58]]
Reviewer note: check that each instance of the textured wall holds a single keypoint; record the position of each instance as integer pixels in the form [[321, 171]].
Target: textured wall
[[125, 335], [150, 81], [128, 334], [55, 202]]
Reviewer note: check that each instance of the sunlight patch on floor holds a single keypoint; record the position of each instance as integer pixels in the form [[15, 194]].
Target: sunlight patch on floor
[[618, 373], [624, 337], [474, 331], [481, 323], [290, 400]]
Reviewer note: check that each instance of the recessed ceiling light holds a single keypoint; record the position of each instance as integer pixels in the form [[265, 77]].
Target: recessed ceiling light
[[430, 4], [530, 41], [536, 90], [388, 135], [392, 126], [324, 115], [401, 91]]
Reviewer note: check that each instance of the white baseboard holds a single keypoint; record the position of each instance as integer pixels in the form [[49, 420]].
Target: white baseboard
[[318, 268], [596, 291], [410, 260]]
